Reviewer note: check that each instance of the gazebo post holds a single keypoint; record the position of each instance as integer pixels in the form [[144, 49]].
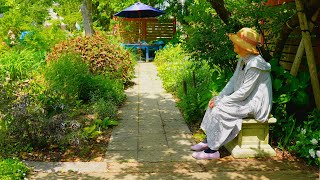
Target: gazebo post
[[309, 51], [300, 51]]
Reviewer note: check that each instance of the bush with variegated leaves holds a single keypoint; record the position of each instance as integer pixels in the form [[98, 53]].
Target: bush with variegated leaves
[[101, 53]]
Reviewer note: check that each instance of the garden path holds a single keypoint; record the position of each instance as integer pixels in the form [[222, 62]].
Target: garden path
[[153, 142]]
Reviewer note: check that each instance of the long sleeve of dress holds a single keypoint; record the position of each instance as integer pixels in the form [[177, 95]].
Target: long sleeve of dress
[[250, 80], [229, 88]]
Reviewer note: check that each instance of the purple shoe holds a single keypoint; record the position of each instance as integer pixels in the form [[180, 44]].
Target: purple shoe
[[203, 155], [200, 146]]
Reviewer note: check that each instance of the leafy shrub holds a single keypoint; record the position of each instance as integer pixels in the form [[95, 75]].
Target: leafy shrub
[[307, 138], [19, 64], [174, 67], [102, 56], [43, 39], [99, 86], [67, 75], [12, 169], [105, 109], [38, 113], [291, 103], [207, 38], [173, 64]]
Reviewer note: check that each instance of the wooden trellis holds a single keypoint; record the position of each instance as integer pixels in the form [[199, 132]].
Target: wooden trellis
[[294, 57]]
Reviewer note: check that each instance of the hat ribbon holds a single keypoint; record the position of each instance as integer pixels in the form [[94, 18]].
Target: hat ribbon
[[250, 41]]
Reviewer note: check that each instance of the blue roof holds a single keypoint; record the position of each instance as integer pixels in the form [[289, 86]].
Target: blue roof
[[139, 10]]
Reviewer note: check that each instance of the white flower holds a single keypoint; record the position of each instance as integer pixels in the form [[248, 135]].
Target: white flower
[[12, 36], [303, 131], [312, 153], [318, 154], [314, 141]]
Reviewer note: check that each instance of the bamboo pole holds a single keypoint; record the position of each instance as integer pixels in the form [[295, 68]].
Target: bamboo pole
[[300, 51], [309, 51]]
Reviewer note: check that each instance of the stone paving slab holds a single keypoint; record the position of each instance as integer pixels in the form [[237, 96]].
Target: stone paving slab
[[92, 167]]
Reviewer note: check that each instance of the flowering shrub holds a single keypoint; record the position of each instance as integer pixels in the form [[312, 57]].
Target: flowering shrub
[[11, 40], [307, 138]]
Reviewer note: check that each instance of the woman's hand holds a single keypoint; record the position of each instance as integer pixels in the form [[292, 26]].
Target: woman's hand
[[211, 104]]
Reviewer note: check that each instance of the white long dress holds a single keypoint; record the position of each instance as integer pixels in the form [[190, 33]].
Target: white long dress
[[249, 92]]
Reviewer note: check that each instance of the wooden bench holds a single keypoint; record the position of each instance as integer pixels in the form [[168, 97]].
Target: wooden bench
[[252, 140]]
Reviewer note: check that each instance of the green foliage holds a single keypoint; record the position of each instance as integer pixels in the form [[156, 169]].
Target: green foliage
[[69, 10], [291, 101], [195, 101], [174, 67], [91, 131], [289, 93], [37, 112], [207, 38], [22, 14], [307, 138], [43, 39], [44, 105], [99, 86], [66, 75], [19, 64], [12, 169], [102, 56], [105, 108], [105, 123], [95, 129]]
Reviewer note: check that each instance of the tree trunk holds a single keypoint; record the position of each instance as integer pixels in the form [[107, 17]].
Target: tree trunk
[[86, 11], [224, 14], [287, 28]]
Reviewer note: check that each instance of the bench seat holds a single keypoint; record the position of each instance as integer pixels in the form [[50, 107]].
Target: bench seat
[[252, 140]]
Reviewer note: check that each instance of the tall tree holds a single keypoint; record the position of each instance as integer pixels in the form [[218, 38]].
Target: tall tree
[[86, 11]]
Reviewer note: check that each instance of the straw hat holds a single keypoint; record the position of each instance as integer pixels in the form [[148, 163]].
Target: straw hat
[[247, 39]]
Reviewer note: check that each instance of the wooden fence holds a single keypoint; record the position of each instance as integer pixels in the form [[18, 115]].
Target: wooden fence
[[132, 30]]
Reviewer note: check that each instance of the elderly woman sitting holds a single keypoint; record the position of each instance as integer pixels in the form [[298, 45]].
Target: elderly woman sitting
[[249, 92]]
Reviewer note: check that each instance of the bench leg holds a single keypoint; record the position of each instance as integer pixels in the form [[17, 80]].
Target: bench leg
[[147, 54]]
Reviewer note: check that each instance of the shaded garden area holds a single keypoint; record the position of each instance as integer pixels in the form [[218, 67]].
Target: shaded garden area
[[62, 83]]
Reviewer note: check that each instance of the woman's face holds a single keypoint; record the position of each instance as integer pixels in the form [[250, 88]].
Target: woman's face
[[242, 52]]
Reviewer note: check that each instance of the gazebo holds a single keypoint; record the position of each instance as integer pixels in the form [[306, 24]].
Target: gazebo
[[138, 27]]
